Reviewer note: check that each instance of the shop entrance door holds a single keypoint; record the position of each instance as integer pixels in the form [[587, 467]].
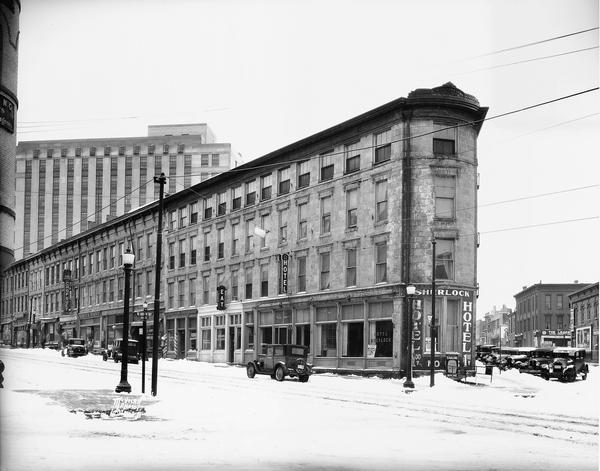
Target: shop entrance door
[[231, 348], [355, 339], [181, 343]]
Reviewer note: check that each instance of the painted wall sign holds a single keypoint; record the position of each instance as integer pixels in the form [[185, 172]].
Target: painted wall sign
[[7, 114], [417, 332]]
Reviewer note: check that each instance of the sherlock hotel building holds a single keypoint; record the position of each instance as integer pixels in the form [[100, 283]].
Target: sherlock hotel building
[[312, 244]]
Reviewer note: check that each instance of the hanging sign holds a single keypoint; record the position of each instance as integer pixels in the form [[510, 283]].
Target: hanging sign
[[284, 272]]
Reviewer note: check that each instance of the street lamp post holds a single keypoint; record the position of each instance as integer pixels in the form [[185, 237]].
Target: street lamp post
[[144, 315], [410, 292], [124, 386]]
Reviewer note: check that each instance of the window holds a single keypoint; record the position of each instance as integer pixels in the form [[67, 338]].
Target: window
[[444, 259], [326, 166], [351, 208], [352, 156], [204, 160], [559, 301], [208, 208], [325, 215], [301, 270], [302, 221], [284, 181], [251, 193], [381, 333], [92, 152], [193, 249], [265, 187], [183, 214], [194, 212], [136, 150], [151, 149], [236, 200], [111, 290], [248, 280], [220, 244], [222, 203], [182, 252], [180, 148], [445, 190], [234, 285], [205, 289], [149, 278], [328, 339], [107, 151], [303, 174], [559, 322], [140, 251], [325, 262], [181, 293], [249, 235], [264, 223], [381, 262], [381, 204], [443, 146], [548, 321], [165, 149], [383, 146], [171, 295], [121, 150], [548, 301], [171, 222], [264, 280], [171, 255], [283, 226], [235, 238], [215, 160], [206, 248], [351, 267]]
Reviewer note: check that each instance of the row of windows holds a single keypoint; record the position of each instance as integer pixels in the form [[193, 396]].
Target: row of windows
[[108, 150]]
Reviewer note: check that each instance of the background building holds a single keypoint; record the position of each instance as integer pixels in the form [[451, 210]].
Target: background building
[[313, 243], [584, 319], [542, 315], [495, 326], [9, 47], [68, 186]]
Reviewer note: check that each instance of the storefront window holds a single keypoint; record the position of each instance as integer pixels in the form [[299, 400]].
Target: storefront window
[[267, 334], [250, 337], [171, 334], [205, 339], [381, 334], [353, 339], [220, 339], [328, 339]]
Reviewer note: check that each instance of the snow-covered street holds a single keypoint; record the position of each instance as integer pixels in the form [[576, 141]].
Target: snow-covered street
[[209, 416]]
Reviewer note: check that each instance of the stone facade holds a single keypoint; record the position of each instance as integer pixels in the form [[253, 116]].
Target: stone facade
[[313, 243], [584, 319]]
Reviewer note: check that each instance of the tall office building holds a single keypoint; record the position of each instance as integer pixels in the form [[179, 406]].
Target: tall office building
[[65, 187], [9, 42]]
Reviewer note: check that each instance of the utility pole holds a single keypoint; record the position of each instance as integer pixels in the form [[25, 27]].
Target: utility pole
[[432, 326], [156, 321]]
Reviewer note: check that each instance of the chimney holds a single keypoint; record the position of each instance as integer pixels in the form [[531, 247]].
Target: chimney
[[524, 288], [576, 281]]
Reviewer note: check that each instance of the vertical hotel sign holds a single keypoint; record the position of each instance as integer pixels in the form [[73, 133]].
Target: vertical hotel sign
[[421, 327], [7, 113], [285, 260]]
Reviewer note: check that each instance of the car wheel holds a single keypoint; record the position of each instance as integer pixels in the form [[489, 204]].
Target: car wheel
[[545, 376], [116, 360], [584, 376], [279, 373], [62, 352], [250, 370], [303, 378], [570, 376]]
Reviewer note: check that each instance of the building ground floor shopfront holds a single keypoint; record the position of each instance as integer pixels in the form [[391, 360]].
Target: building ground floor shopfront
[[348, 331], [586, 336]]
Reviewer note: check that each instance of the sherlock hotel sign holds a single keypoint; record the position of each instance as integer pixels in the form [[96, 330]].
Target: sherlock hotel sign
[[422, 332]]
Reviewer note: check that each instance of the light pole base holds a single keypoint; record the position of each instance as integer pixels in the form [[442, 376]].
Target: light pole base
[[123, 386], [409, 384]]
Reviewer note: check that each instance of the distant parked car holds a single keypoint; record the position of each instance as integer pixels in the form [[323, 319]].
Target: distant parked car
[[75, 348], [280, 361], [567, 364], [115, 351]]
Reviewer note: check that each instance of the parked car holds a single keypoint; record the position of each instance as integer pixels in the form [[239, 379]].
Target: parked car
[[482, 351], [518, 358], [280, 361], [567, 364], [75, 348], [115, 351], [539, 360]]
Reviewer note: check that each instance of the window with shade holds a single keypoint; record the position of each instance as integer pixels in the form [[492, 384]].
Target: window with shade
[[352, 155], [444, 259], [303, 174], [383, 146], [445, 193], [327, 165]]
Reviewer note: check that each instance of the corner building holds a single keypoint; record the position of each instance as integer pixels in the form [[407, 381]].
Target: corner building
[[316, 242]]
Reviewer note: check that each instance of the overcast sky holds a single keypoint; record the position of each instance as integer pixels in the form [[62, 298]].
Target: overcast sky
[[264, 74]]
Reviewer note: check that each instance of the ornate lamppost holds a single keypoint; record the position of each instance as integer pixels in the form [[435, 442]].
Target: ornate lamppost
[[410, 292], [124, 386]]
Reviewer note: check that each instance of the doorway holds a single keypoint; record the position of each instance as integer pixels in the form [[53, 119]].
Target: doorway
[[231, 347], [181, 343]]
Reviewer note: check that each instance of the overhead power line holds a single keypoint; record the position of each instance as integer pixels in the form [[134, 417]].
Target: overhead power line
[[534, 43]]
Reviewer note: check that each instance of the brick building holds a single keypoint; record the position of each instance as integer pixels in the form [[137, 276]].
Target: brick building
[[584, 319], [313, 243], [542, 315]]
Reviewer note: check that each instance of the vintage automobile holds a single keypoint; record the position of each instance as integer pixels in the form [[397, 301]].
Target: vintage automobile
[[539, 358], [567, 364], [517, 358], [280, 361], [482, 351], [115, 351], [75, 348]]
